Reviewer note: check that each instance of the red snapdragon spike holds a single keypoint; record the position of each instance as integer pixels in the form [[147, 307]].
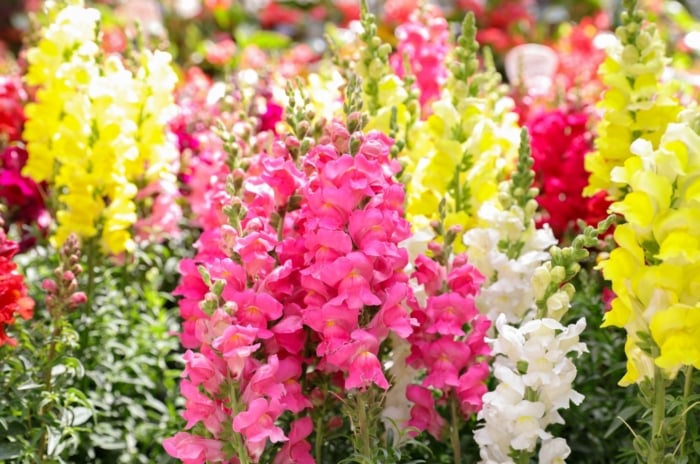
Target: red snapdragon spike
[[560, 141], [21, 194], [12, 98]]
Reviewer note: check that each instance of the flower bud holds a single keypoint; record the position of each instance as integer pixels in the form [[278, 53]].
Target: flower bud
[[49, 285], [335, 423], [540, 281], [77, 298]]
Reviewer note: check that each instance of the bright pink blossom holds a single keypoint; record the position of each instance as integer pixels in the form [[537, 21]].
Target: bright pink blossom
[[257, 423], [297, 450], [358, 357], [423, 413], [193, 449], [351, 275], [201, 370], [236, 345], [201, 408], [472, 388], [449, 312]]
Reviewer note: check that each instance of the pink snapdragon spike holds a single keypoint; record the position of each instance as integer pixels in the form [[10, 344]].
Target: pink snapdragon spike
[[312, 260], [449, 343], [423, 39]]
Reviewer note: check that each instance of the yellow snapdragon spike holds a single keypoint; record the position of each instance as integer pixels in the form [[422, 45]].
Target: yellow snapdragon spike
[[96, 128], [636, 103], [654, 270]]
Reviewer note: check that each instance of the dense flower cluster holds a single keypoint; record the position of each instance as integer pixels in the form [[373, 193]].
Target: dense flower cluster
[[314, 261], [96, 128], [653, 268], [560, 142], [524, 295], [448, 343], [14, 300], [535, 374], [466, 146]]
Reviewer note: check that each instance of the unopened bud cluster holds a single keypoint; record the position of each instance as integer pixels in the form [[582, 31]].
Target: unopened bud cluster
[[62, 291]]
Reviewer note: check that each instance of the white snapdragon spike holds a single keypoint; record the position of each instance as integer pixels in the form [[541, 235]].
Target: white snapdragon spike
[[535, 376], [509, 289]]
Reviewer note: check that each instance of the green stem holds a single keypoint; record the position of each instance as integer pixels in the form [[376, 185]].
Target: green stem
[[48, 380], [238, 443], [687, 388], [318, 439], [454, 432], [524, 458], [363, 432], [457, 191], [658, 415]]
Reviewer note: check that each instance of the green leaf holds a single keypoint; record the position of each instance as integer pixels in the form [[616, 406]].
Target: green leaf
[[29, 386], [625, 414], [80, 415], [267, 40], [10, 451]]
